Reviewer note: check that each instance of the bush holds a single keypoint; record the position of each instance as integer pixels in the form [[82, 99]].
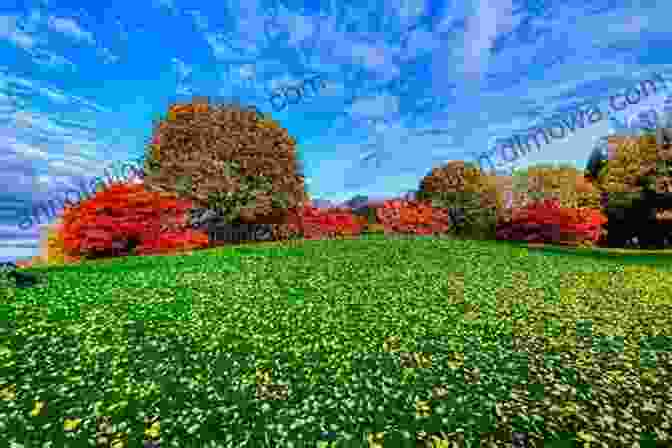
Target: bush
[[308, 222], [126, 219], [413, 217], [547, 222], [312, 223]]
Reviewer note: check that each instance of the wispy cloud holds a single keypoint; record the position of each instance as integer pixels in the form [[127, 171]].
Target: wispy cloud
[[30, 32], [11, 31], [70, 28]]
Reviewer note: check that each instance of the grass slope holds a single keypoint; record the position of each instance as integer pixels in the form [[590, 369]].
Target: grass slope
[[466, 340]]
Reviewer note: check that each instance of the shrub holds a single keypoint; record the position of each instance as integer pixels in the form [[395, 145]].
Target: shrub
[[125, 218], [413, 217], [333, 223], [312, 223], [547, 222]]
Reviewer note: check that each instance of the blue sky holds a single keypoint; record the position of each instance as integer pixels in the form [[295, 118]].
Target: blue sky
[[80, 84]]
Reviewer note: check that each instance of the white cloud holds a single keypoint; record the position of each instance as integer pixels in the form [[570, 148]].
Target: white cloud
[[221, 45], [18, 243], [375, 107], [25, 34], [490, 18], [39, 123], [69, 27], [10, 31], [24, 150], [59, 167], [19, 253]]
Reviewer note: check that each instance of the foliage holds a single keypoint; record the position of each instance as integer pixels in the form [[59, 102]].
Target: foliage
[[239, 206], [313, 223], [374, 228], [126, 218], [563, 182], [367, 211], [226, 156], [289, 230], [171, 242], [7, 282], [548, 222], [636, 182], [462, 186], [56, 253], [412, 217], [597, 160], [638, 164], [12, 277], [32, 261]]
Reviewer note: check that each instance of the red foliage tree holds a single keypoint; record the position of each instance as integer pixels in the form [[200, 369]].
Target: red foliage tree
[[124, 217]]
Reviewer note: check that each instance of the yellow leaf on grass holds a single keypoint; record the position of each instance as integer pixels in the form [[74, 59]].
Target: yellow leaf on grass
[[8, 392], [71, 424], [39, 405], [153, 431]]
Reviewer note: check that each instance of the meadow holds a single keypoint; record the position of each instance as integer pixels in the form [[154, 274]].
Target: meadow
[[377, 341]]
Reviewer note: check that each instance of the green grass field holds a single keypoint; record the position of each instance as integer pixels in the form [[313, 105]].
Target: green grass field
[[564, 346]]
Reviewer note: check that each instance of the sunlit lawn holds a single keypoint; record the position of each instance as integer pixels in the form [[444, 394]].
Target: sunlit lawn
[[503, 336]]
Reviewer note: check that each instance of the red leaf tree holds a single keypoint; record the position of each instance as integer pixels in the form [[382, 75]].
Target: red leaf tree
[[126, 217]]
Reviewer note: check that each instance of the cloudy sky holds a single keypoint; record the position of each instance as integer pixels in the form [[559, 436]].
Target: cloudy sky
[[409, 84]]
